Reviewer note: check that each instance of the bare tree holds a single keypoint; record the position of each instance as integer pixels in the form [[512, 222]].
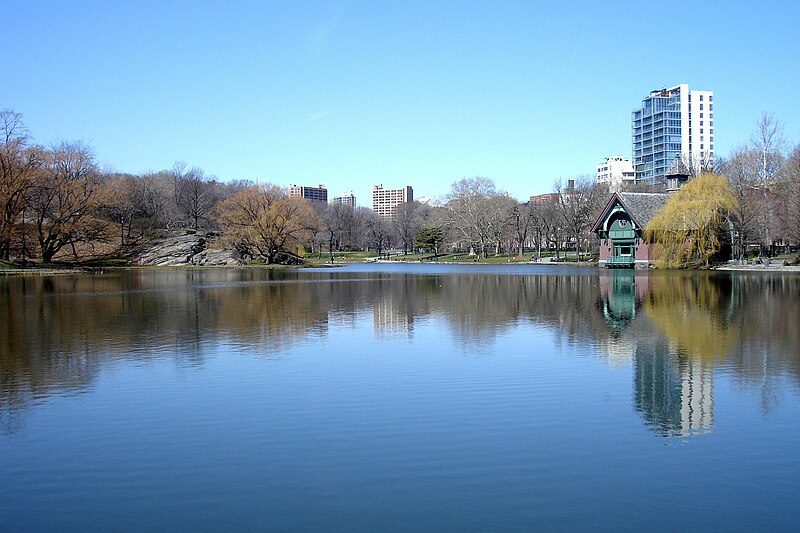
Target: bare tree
[[153, 201], [119, 207], [768, 141], [195, 193], [790, 191], [408, 218], [19, 163], [140, 204], [578, 204], [335, 217], [540, 221], [523, 220], [318, 233], [64, 200], [696, 164], [265, 222], [477, 212], [353, 227], [743, 173], [500, 219], [378, 233]]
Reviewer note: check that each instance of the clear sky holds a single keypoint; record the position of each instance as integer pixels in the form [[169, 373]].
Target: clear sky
[[357, 93]]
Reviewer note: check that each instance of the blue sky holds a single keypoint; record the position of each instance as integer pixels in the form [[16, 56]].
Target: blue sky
[[355, 93]]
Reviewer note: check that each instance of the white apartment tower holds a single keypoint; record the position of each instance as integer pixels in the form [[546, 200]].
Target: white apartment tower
[[385, 200], [347, 199], [672, 123], [615, 171]]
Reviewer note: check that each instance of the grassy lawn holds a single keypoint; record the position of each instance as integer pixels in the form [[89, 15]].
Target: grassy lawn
[[106, 262], [346, 257]]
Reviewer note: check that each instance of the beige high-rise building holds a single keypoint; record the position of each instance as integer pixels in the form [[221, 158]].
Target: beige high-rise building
[[384, 201], [312, 194]]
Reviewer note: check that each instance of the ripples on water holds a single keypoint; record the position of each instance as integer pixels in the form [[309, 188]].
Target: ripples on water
[[400, 397]]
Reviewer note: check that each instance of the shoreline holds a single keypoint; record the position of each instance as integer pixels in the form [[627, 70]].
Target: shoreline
[[757, 268], [73, 269]]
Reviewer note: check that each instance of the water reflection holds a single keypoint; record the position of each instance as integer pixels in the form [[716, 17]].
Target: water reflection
[[673, 393], [675, 329], [618, 300], [694, 312]]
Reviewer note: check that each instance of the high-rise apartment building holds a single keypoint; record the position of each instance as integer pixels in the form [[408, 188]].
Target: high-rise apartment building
[[672, 123], [347, 199], [312, 194], [384, 201], [615, 171]]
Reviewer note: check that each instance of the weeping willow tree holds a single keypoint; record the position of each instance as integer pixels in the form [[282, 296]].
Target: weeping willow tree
[[689, 231]]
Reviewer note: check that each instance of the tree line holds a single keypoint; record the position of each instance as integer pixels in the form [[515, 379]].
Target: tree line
[[57, 204], [764, 177]]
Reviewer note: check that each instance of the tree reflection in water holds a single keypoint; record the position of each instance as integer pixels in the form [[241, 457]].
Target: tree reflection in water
[[674, 328]]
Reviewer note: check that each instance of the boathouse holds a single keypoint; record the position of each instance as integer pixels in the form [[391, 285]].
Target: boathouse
[[620, 229]]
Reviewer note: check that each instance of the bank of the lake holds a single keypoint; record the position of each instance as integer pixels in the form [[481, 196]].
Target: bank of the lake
[[54, 270]]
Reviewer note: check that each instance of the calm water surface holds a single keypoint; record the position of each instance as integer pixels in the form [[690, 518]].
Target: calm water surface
[[403, 397]]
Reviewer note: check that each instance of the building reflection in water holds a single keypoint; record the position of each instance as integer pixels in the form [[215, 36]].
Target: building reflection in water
[[672, 391], [395, 304], [390, 321], [619, 304], [618, 300]]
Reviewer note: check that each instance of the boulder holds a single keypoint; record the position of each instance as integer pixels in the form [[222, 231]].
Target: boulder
[[185, 247], [224, 257]]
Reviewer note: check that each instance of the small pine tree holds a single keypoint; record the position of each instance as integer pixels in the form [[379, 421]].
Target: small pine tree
[[429, 239]]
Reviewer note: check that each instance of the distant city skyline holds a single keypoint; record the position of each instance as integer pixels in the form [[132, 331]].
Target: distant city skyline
[[352, 94]]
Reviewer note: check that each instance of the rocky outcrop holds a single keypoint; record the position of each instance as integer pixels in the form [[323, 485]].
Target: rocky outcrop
[[185, 248], [221, 257]]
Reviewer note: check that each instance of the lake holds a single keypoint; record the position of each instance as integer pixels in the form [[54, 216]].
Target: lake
[[400, 397]]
